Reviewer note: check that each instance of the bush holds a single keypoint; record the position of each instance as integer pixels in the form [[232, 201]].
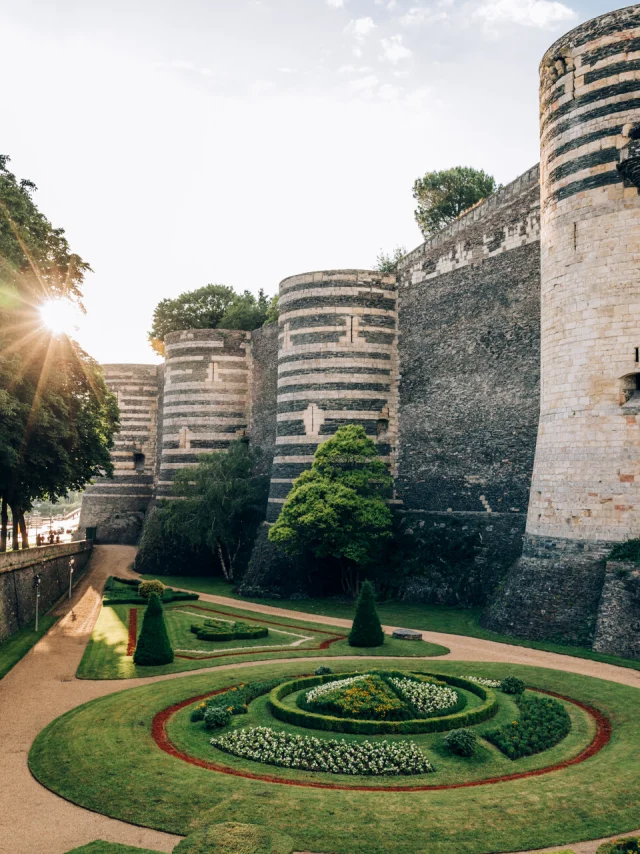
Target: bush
[[512, 685], [216, 716], [234, 838], [629, 551], [216, 630], [146, 588], [461, 742], [234, 700], [153, 647], [627, 845], [197, 714], [366, 630], [542, 724], [322, 670]]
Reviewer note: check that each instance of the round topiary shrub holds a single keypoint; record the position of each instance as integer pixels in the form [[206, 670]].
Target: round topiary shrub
[[146, 588], [216, 716], [231, 837], [461, 742], [366, 629], [322, 670], [626, 845], [153, 647], [512, 685]]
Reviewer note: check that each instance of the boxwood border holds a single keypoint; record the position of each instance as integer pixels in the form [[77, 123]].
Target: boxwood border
[[312, 720]]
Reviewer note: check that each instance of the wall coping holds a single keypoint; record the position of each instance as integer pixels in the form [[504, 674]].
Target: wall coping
[[10, 561], [482, 210]]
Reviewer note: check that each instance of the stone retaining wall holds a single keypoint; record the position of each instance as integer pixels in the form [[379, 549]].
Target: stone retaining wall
[[17, 571], [618, 626]]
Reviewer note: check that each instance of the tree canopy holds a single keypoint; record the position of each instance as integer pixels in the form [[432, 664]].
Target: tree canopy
[[387, 262], [443, 196], [337, 510], [57, 417], [211, 307]]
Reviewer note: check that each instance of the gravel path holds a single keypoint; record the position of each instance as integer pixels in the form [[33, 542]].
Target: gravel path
[[43, 686]]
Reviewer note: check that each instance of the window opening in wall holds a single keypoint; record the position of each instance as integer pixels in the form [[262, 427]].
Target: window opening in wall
[[382, 425], [138, 463], [637, 354]]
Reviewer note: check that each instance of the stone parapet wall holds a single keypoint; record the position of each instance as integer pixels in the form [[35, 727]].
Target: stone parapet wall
[[618, 624], [17, 572]]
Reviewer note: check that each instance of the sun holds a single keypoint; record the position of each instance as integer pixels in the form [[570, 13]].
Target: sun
[[59, 316]]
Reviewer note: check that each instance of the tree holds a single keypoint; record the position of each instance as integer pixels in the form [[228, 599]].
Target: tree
[[387, 262], [366, 629], [210, 307], [221, 503], [443, 196], [153, 647], [57, 417], [338, 509]]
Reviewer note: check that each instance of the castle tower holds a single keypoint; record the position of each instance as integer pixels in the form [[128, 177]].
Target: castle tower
[[337, 364], [585, 491], [206, 397]]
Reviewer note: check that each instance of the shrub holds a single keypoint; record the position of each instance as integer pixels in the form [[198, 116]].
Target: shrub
[[512, 685], [153, 647], [146, 588], [626, 845], [366, 629], [216, 630], [322, 670], [461, 742], [216, 716], [234, 701], [234, 838], [629, 551], [543, 723], [198, 713]]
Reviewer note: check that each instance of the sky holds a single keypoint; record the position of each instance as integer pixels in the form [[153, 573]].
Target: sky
[[182, 142]]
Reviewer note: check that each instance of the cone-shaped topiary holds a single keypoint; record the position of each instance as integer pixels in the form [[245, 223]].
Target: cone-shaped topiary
[[153, 645], [366, 629]]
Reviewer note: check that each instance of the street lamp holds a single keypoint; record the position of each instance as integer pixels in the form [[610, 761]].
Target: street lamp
[[72, 564], [36, 584]]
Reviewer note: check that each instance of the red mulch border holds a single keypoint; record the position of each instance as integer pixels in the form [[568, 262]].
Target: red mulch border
[[133, 631], [325, 644], [159, 735]]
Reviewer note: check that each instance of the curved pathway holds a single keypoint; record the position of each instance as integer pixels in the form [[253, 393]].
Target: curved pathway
[[43, 686]]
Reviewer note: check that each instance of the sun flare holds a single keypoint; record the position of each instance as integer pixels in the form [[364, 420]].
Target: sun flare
[[59, 316]]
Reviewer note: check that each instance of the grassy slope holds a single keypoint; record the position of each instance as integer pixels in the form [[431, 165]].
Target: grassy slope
[[101, 756], [105, 656], [99, 847], [435, 618], [18, 645]]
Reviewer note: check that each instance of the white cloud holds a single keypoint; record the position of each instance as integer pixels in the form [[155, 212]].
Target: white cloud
[[363, 86], [393, 49], [286, 70], [389, 93], [418, 15], [360, 27], [354, 69], [528, 13], [335, 4]]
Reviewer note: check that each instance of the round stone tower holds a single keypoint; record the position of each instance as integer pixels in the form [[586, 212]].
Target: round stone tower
[[585, 491]]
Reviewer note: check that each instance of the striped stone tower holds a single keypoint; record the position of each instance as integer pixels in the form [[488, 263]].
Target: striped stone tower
[[585, 491], [337, 364], [206, 397], [117, 506]]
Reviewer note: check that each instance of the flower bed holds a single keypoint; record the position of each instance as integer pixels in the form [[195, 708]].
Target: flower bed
[[366, 697], [482, 680], [426, 698], [333, 756], [542, 724]]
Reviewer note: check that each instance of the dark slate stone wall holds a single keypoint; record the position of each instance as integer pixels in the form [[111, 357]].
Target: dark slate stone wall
[[263, 389], [469, 320], [618, 625]]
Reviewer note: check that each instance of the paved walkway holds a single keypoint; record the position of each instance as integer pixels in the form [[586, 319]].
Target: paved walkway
[[43, 686]]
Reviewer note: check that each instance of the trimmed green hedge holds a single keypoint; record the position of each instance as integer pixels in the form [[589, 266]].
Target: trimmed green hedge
[[299, 717], [117, 591], [238, 631]]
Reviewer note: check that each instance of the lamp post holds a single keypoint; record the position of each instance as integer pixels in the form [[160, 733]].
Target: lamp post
[[36, 584], [72, 563]]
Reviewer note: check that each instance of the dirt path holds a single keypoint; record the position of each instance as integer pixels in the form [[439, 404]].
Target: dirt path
[[43, 686]]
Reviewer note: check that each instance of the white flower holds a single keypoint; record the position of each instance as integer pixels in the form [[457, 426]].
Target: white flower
[[481, 680], [329, 687], [425, 697]]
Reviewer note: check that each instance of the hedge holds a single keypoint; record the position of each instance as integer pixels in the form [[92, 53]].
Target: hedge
[[168, 596], [245, 632], [299, 717]]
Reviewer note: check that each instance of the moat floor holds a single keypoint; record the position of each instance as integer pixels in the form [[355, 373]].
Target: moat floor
[[43, 686]]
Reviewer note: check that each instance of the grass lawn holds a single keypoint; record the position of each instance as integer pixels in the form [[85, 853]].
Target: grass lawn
[[434, 618], [99, 847], [102, 756], [106, 654], [18, 645]]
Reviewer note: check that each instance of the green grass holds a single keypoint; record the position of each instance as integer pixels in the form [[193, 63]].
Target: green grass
[[99, 847], [106, 654], [101, 756], [18, 645], [433, 618]]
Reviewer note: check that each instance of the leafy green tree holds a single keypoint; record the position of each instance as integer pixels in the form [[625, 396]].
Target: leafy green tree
[[210, 307], [153, 647], [443, 196], [366, 629], [221, 503], [57, 417], [338, 509], [387, 262]]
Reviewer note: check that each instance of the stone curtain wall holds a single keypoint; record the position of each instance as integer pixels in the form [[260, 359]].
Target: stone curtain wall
[[17, 571], [337, 364], [205, 397], [618, 626], [263, 384], [468, 314], [117, 506]]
